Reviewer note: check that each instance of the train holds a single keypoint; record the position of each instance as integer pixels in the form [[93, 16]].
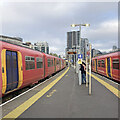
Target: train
[[21, 66], [108, 65]]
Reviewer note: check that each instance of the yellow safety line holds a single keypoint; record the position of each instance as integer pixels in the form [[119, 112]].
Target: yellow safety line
[[20, 109], [108, 86]]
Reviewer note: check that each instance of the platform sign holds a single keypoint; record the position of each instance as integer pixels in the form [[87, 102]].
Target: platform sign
[[80, 56], [79, 61], [72, 52]]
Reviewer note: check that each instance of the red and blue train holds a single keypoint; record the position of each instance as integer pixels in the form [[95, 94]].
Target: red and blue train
[[108, 65], [21, 66]]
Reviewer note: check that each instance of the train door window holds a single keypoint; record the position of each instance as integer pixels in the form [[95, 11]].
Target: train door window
[[99, 63], [115, 63], [103, 63], [8, 61], [49, 62], [39, 62], [57, 62], [52, 62], [30, 62], [11, 70]]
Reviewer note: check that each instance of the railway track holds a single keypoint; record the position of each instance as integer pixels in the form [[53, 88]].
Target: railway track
[[8, 97]]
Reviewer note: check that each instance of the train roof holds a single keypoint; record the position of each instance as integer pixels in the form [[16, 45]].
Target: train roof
[[24, 46], [116, 53]]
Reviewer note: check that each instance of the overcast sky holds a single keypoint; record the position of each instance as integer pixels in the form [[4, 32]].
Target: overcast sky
[[50, 21]]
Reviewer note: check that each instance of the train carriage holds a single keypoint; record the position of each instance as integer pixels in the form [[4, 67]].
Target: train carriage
[[108, 65], [21, 66]]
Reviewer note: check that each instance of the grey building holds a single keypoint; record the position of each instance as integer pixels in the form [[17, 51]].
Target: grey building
[[73, 44], [69, 40], [95, 53], [14, 40], [42, 46], [114, 48], [84, 44]]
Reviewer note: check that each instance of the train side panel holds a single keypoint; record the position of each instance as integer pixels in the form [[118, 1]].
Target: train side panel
[[108, 65], [116, 67], [33, 69], [0, 70]]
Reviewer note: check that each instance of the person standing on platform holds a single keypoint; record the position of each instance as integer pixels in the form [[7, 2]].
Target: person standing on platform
[[83, 72]]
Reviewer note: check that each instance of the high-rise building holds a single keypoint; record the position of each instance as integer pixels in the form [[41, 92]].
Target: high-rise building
[[69, 40], [42, 46], [84, 44], [73, 44]]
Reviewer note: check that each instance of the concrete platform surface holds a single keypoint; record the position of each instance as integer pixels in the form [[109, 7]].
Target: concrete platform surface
[[67, 99]]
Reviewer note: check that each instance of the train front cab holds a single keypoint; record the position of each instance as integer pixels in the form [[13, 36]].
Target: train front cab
[[12, 70]]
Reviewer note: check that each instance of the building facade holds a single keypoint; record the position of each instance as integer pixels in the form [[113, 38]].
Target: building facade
[[73, 45], [42, 46], [14, 40]]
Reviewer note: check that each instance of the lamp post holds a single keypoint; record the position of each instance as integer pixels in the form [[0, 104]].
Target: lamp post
[[77, 67]]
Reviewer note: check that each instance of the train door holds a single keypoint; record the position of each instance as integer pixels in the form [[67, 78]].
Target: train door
[[12, 70], [108, 67], [44, 65], [60, 64], [96, 65], [54, 65]]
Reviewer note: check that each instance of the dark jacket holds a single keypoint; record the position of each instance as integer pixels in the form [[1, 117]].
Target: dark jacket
[[82, 69]]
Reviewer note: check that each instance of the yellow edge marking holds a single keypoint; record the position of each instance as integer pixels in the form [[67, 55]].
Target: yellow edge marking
[[20, 109], [108, 86], [4, 77], [20, 71]]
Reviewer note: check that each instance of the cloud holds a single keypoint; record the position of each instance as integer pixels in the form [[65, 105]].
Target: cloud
[[50, 21], [105, 35]]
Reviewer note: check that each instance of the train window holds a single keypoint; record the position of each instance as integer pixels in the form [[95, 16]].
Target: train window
[[103, 63], [99, 63], [57, 62], [93, 63], [15, 62], [39, 62], [52, 62], [30, 62], [49, 62], [32, 58], [8, 61], [115, 63]]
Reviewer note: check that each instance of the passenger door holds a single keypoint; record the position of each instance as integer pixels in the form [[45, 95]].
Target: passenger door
[[11, 70], [108, 67], [54, 65], [96, 64]]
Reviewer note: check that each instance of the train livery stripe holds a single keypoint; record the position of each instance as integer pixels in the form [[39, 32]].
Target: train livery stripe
[[20, 69], [20, 109], [106, 68], [4, 77]]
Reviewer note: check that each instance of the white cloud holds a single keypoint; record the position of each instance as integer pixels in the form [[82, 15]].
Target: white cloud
[[104, 35], [50, 21]]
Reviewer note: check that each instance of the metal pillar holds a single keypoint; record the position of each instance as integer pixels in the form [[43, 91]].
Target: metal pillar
[[79, 74], [79, 71], [90, 88], [86, 72]]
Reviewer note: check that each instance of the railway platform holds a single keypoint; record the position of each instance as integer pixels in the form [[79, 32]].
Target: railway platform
[[62, 97]]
